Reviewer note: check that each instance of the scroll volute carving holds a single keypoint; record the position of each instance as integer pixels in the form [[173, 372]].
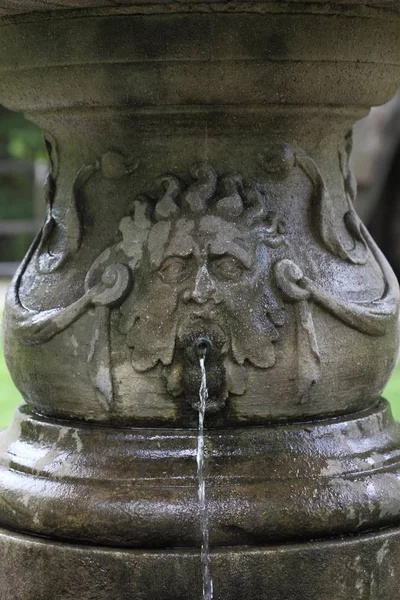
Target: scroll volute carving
[[210, 256], [61, 236]]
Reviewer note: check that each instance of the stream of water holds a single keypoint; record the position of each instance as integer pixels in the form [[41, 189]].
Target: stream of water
[[205, 546]]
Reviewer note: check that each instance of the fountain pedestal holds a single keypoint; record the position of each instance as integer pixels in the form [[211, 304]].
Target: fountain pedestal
[[200, 189]]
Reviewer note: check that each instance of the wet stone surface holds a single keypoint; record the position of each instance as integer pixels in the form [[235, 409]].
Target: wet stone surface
[[200, 199]]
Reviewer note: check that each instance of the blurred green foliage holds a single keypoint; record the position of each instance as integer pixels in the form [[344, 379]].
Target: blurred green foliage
[[16, 195], [19, 138], [21, 144], [13, 249]]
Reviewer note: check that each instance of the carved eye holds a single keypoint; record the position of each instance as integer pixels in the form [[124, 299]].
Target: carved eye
[[174, 270], [227, 268]]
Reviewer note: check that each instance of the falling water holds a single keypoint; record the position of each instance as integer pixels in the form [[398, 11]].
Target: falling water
[[205, 546]]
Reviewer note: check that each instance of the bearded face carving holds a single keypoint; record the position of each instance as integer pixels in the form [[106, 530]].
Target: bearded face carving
[[205, 260], [201, 256]]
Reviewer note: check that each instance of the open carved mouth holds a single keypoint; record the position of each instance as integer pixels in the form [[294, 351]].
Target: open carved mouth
[[200, 336], [202, 326], [204, 332]]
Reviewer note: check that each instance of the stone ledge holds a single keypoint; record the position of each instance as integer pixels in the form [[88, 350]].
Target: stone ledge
[[338, 477], [9, 8], [32, 568]]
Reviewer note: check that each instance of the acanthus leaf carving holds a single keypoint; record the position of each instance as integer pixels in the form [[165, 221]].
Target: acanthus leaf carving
[[201, 254]]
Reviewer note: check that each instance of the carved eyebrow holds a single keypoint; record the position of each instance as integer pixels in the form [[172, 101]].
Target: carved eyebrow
[[180, 246], [231, 249], [177, 253], [174, 253], [214, 256], [172, 256]]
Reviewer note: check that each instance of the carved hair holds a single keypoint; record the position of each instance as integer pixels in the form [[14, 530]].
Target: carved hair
[[230, 197]]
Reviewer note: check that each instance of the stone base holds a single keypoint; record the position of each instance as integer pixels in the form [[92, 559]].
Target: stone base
[[137, 488], [362, 567]]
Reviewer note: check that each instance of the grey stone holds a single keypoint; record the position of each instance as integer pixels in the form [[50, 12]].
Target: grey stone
[[200, 203]]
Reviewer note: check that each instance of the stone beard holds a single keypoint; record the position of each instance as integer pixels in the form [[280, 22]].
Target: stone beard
[[202, 269]]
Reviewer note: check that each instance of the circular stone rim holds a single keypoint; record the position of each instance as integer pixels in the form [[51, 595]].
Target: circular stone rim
[[138, 487], [340, 569]]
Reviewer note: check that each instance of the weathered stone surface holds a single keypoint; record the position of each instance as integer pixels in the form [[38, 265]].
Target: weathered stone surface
[[358, 568], [264, 485], [112, 166], [14, 7], [198, 59], [201, 197]]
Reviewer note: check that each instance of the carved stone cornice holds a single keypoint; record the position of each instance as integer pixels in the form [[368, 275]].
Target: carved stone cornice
[[22, 7], [208, 59]]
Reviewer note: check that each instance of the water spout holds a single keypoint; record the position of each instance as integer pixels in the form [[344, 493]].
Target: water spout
[[205, 546], [201, 346]]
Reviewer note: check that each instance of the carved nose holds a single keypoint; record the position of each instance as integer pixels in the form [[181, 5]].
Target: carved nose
[[204, 286]]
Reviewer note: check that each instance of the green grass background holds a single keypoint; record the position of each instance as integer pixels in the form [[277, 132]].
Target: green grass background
[[392, 393], [10, 398]]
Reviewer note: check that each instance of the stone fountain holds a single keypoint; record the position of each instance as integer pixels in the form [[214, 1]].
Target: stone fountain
[[200, 203]]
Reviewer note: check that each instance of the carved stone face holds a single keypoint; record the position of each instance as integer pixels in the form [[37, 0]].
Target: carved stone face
[[202, 276]]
